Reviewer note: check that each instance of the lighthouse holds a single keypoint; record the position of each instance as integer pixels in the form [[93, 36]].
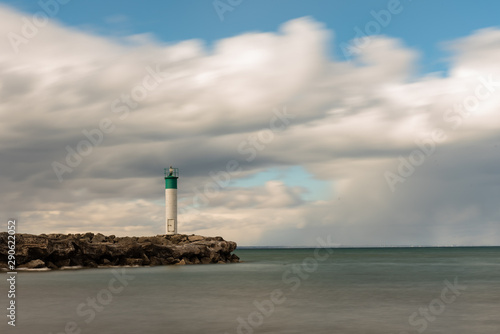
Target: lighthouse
[[171, 176]]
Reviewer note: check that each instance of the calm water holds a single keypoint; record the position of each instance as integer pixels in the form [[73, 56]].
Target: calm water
[[273, 291]]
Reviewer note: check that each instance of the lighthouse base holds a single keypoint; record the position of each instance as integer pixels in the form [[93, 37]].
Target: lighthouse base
[[171, 227]]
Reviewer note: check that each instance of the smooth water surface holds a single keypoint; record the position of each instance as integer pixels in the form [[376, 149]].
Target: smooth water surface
[[390, 290]]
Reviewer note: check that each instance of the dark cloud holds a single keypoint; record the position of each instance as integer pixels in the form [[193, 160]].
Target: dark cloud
[[348, 125]]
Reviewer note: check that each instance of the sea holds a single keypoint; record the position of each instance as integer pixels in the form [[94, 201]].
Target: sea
[[451, 290]]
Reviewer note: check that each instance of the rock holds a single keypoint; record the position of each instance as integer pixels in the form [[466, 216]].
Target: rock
[[63, 263], [33, 264], [90, 264], [98, 238], [59, 249], [133, 262], [195, 238], [50, 265], [75, 262], [169, 260], [216, 258], [92, 250], [142, 240], [126, 241], [88, 236]]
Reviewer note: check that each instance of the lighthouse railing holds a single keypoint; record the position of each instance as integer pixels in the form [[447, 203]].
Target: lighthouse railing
[[171, 172]]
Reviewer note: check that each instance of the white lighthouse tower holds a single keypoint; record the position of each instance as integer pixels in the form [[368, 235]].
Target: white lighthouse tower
[[171, 176]]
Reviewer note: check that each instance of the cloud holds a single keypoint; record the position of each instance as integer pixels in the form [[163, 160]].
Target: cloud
[[475, 53], [147, 105]]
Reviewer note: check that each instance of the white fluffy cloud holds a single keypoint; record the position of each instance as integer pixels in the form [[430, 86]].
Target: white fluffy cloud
[[156, 105]]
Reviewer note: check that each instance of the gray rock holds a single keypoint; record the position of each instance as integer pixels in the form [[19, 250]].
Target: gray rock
[[33, 264], [195, 238], [99, 238], [50, 265]]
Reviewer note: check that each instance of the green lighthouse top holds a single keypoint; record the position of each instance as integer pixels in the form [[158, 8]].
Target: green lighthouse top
[[171, 176], [171, 172]]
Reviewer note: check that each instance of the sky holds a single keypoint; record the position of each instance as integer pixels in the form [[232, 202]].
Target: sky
[[372, 122]]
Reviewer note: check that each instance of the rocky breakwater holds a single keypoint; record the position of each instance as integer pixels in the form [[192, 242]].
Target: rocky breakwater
[[89, 250]]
